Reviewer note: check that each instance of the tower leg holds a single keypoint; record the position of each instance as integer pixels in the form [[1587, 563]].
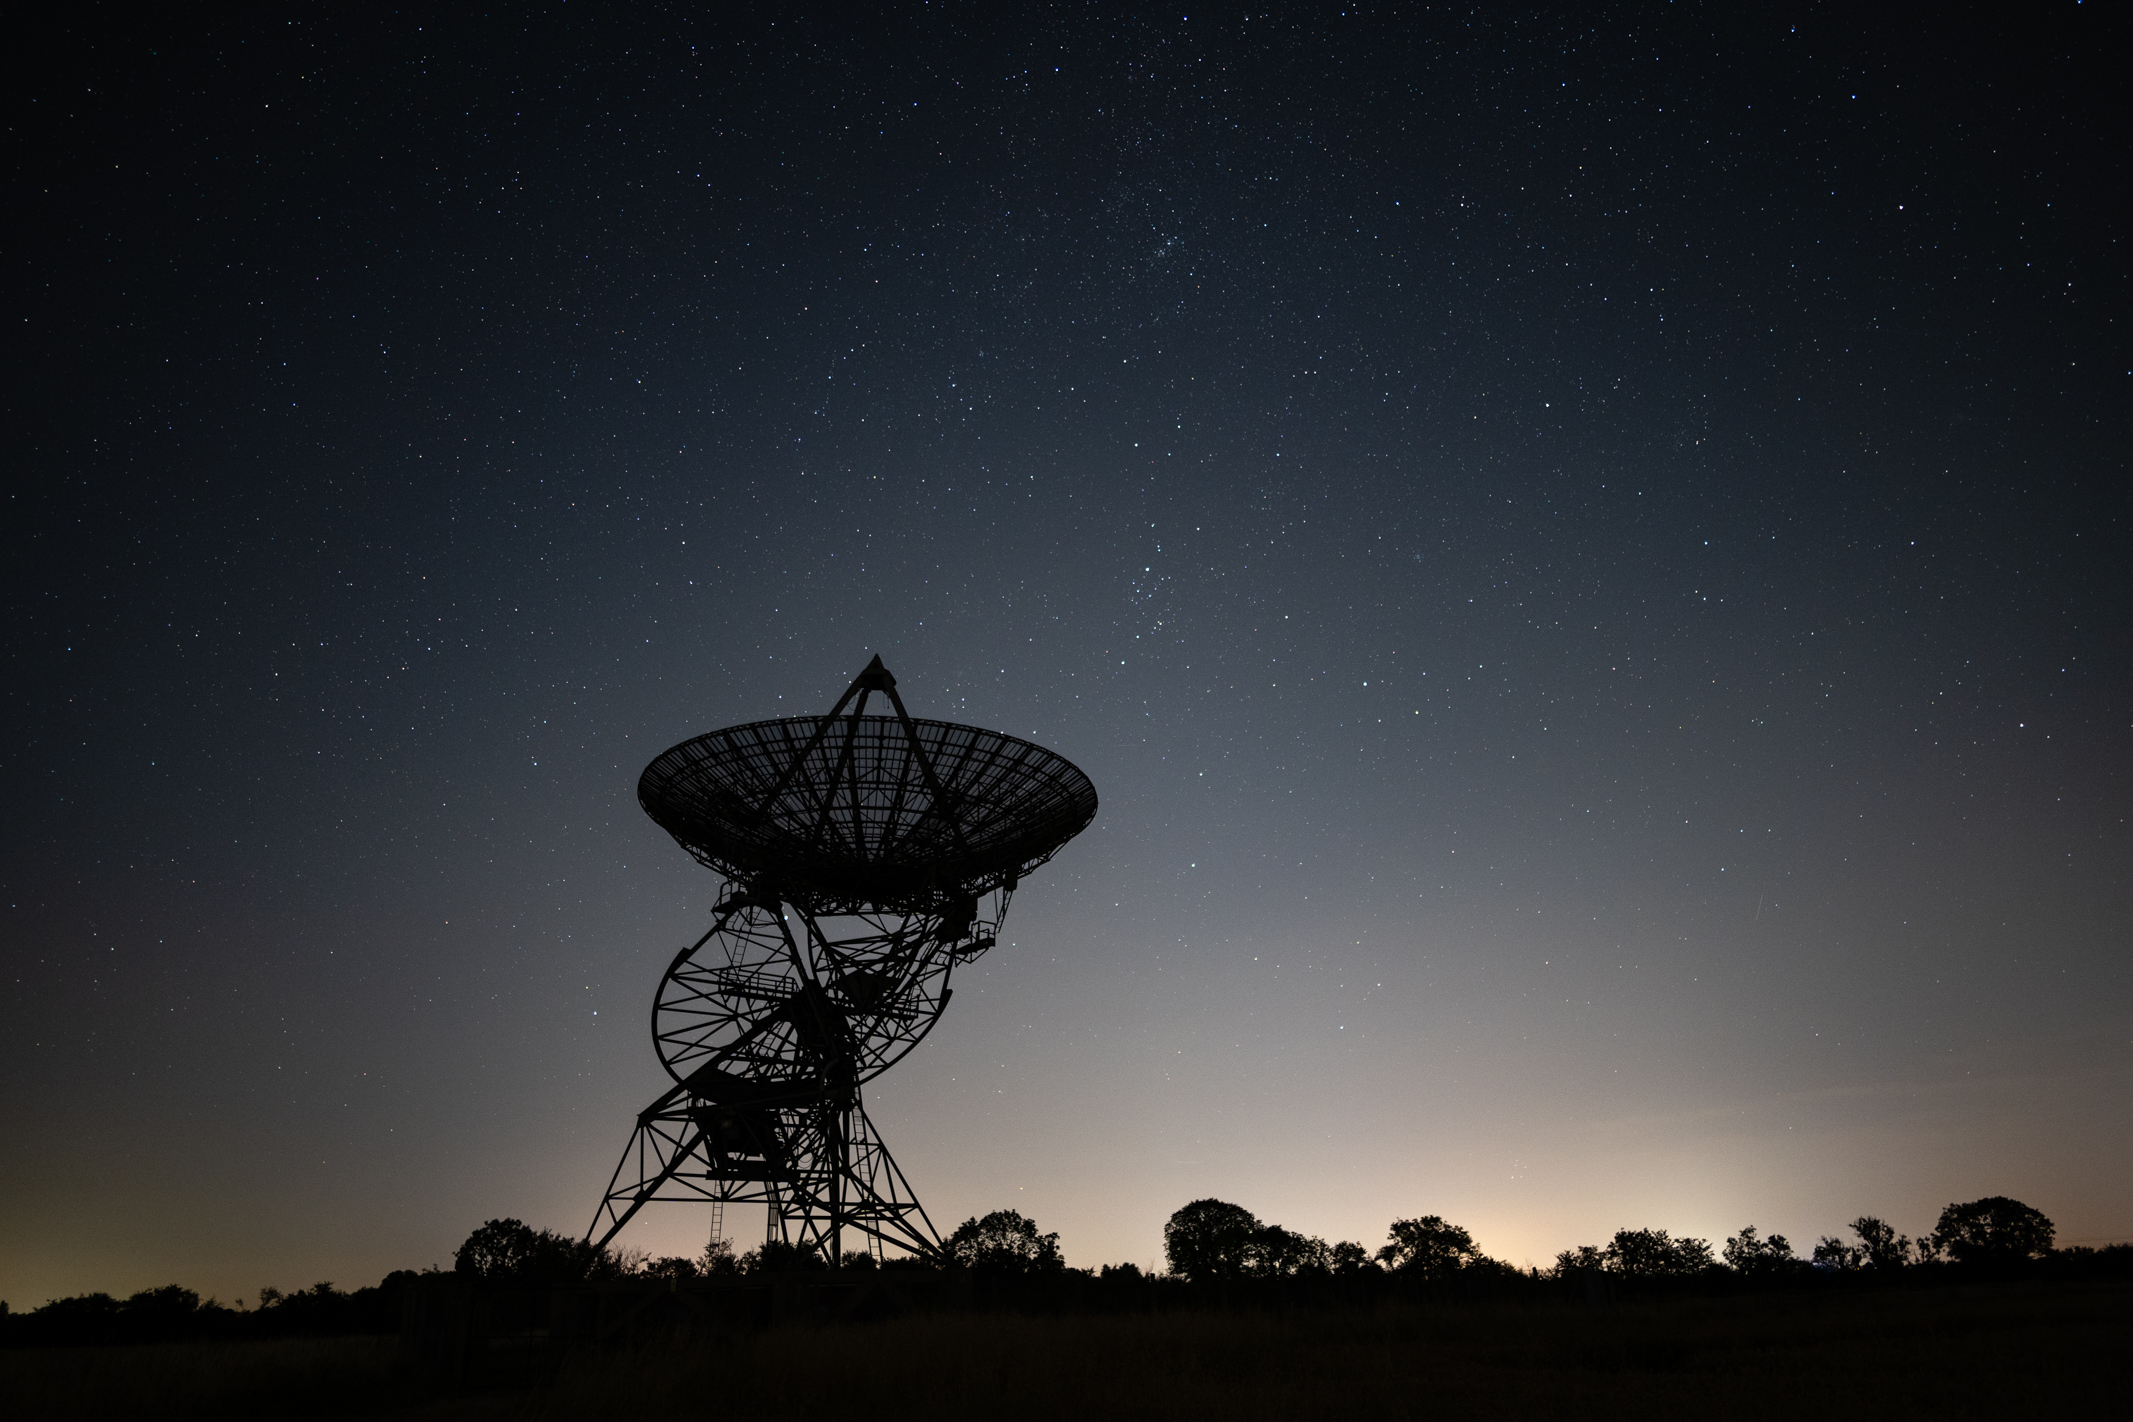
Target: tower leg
[[855, 1185]]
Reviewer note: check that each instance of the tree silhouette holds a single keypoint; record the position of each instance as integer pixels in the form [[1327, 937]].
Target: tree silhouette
[[509, 1251], [1748, 1254], [1213, 1239], [717, 1258], [1994, 1230], [1348, 1258], [1585, 1259], [1004, 1242], [495, 1250], [1277, 1253], [1428, 1248], [1880, 1246], [1833, 1253], [1653, 1254], [1210, 1239]]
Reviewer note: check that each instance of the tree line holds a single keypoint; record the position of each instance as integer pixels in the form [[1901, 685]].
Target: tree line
[[1208, 1245], [174, 1313], [1215, 1240]]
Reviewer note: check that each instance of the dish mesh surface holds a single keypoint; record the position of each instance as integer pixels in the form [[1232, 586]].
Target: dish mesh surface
[[850, 816]]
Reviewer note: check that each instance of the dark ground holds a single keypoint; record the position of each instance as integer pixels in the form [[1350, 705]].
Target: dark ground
[[2027, 1349]]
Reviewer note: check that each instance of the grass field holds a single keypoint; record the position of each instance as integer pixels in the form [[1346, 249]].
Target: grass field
[[2007, 1350]]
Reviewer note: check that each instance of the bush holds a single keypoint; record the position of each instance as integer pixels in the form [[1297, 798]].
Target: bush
[[777, 1257]]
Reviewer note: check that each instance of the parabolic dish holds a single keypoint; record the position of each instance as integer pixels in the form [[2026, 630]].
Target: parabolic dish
[[841, 808]]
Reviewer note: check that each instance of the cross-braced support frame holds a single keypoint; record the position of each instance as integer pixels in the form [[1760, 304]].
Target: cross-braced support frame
[[820, 1166]]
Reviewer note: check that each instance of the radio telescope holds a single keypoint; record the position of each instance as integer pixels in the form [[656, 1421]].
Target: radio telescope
[[865, 858]]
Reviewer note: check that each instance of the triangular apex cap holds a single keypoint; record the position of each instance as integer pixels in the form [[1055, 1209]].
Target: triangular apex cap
[[876, 676]]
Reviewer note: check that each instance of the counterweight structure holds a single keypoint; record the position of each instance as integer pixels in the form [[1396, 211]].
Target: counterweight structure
[[865, 858]]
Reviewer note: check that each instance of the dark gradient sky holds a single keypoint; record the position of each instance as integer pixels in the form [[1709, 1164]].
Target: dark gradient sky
[[1584, 553]]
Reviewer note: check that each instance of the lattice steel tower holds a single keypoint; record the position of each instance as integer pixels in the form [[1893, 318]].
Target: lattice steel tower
[[866, 856]]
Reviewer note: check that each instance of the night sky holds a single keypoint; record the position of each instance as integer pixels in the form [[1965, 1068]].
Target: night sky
[[1584, 553]]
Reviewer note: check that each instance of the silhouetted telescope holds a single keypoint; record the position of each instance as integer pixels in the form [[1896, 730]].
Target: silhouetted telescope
[[866, 856]]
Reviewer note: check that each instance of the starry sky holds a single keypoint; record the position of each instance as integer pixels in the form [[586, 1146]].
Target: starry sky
[[1583, 551]]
